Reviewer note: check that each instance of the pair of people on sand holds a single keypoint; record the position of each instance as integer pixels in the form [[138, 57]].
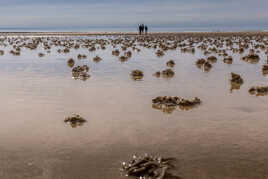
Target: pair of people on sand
[[143, 29]]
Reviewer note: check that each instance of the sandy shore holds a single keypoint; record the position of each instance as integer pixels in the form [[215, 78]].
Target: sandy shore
[[252, 33]]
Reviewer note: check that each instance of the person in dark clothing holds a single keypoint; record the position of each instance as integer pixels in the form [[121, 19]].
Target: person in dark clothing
[[142, 28], [146, 29]]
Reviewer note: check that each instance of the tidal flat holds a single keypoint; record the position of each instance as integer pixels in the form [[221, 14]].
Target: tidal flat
[[210, 90]]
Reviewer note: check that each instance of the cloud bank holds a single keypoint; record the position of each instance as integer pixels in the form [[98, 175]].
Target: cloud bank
[[125, 13]]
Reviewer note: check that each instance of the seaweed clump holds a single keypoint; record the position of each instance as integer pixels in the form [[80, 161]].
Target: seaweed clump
[[97, 59], [259, 90], [116, 52], [203, 64], [228, 60], [71, 62], [265, 69], [168, 103], [212, 59], [137, 75], [148, 167], [171, 63], [80, 72], [75, 120], [168, 73], [236, 81], [251, 58]]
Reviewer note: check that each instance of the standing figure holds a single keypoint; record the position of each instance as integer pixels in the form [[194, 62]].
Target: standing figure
[[142, 28], [146, 29]]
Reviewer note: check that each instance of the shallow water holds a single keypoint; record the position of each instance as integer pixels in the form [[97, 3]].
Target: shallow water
[[225, 137]]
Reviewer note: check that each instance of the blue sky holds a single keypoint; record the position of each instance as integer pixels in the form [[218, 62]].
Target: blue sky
[[161, 13]]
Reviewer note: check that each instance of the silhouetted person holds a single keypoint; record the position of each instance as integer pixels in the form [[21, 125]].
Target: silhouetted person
[[142, 28], [146, 29]]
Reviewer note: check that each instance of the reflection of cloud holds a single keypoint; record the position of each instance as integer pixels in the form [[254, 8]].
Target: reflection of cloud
[[93, 13]]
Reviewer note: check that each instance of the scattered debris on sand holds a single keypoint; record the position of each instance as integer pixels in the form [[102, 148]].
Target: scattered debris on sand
[[137, 74], [148, 167], [75, 120]]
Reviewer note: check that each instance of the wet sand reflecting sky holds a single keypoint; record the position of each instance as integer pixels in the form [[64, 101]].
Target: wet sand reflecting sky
[[225, 137]]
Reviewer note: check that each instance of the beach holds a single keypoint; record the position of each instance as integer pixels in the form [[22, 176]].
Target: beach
[[223, 136]]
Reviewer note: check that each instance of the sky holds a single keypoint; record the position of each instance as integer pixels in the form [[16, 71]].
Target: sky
[[128, 13]]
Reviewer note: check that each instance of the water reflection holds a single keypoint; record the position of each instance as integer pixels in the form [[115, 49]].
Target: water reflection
[[164, 108], [125, 121], [235, 86]]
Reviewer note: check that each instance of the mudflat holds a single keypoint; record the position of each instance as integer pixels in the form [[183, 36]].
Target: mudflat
[[78, 105]]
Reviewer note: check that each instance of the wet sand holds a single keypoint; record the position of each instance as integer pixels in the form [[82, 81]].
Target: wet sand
[[226, 137]]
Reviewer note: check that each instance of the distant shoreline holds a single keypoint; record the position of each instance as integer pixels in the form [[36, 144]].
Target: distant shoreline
[[251, 33]]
